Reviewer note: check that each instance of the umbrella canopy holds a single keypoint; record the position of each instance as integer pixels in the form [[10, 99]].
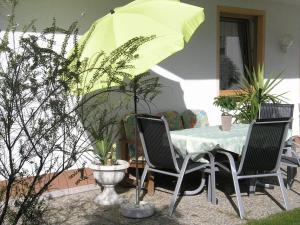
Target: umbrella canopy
[[170, 21]]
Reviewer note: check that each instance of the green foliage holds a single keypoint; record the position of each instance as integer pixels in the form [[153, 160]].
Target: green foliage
[[106, 150], [226, 103], [290, 217], [109, 69], [255, 90], [104, 120], [147, 88], [105, 146], [42, 126]]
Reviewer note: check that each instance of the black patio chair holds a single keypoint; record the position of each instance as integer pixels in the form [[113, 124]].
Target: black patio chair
[[260, 157], [289, 158], [276, 111], [161, 157]]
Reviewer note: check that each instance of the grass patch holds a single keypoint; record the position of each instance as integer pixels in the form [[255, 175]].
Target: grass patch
[[284, 218]]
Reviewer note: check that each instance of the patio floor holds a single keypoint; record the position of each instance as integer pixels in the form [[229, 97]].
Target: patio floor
[[80, 209]]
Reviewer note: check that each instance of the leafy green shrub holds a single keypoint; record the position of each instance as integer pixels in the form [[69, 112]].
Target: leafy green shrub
[[226, 103], [43, 127]]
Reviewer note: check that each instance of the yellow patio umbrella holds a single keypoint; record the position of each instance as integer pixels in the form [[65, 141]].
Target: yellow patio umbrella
[[170, 21]]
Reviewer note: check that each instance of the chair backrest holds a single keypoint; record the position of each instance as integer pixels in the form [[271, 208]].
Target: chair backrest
[[276, 111], [263, 148], [156, 142], [189, 119]]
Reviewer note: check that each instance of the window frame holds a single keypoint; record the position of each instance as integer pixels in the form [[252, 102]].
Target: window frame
[[242, 13]]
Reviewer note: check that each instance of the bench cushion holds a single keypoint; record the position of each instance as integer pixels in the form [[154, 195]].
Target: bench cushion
[[129, 127], [195, 118], [173, 118]]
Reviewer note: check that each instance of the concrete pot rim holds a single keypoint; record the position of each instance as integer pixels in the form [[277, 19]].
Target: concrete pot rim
[[120, 165]]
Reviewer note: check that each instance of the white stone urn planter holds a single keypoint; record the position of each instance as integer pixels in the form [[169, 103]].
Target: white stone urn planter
[[108, 177], [226, 122]]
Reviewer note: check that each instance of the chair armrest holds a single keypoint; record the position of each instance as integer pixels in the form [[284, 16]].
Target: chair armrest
[[230, 159]]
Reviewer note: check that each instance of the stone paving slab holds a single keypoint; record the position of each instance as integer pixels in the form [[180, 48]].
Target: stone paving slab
[[80, 209]]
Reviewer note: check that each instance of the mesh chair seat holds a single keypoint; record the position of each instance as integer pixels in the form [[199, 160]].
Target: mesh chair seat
[[190, 165]]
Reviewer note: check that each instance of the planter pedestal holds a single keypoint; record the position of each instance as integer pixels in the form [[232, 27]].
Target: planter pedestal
[[108, 196], [108, 177]]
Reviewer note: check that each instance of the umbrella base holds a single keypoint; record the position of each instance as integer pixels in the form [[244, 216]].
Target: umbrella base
[[132, 210]]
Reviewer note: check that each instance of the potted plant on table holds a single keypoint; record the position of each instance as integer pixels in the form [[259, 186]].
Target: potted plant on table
[[227, 104]]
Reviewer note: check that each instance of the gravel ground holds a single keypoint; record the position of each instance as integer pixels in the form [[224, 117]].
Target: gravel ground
[[79, 209]]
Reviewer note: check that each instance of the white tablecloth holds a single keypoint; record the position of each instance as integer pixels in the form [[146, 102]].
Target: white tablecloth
[[202, 140]]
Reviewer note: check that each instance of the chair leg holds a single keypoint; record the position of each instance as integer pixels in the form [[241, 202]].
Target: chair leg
[[212, 187], [211, 192], [238, 195], [199, 188], [283, 191], [252, 186], [144, 176], [290, 176], [175, 194], [209, 189]]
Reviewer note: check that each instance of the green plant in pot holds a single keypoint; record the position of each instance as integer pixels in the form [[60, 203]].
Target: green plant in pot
[[227, 104], [105, 149], [255, 90], [107, 170], [103, 123]]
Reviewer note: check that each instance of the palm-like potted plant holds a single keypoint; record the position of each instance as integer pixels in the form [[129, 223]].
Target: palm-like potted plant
[[227, 105], [107, 170], [102, 123], [255, 90]]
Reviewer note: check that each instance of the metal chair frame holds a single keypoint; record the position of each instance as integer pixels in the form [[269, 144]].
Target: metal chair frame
[[291, 160], [178, 172], [238, 175], [276, 110]]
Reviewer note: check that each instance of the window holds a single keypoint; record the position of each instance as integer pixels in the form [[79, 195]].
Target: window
[[240, 44]]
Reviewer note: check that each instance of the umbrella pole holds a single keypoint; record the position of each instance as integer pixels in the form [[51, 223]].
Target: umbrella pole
[[137, 186], [138, 209]]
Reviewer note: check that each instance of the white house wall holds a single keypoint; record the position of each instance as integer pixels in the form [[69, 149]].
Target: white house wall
[[194, 83]]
